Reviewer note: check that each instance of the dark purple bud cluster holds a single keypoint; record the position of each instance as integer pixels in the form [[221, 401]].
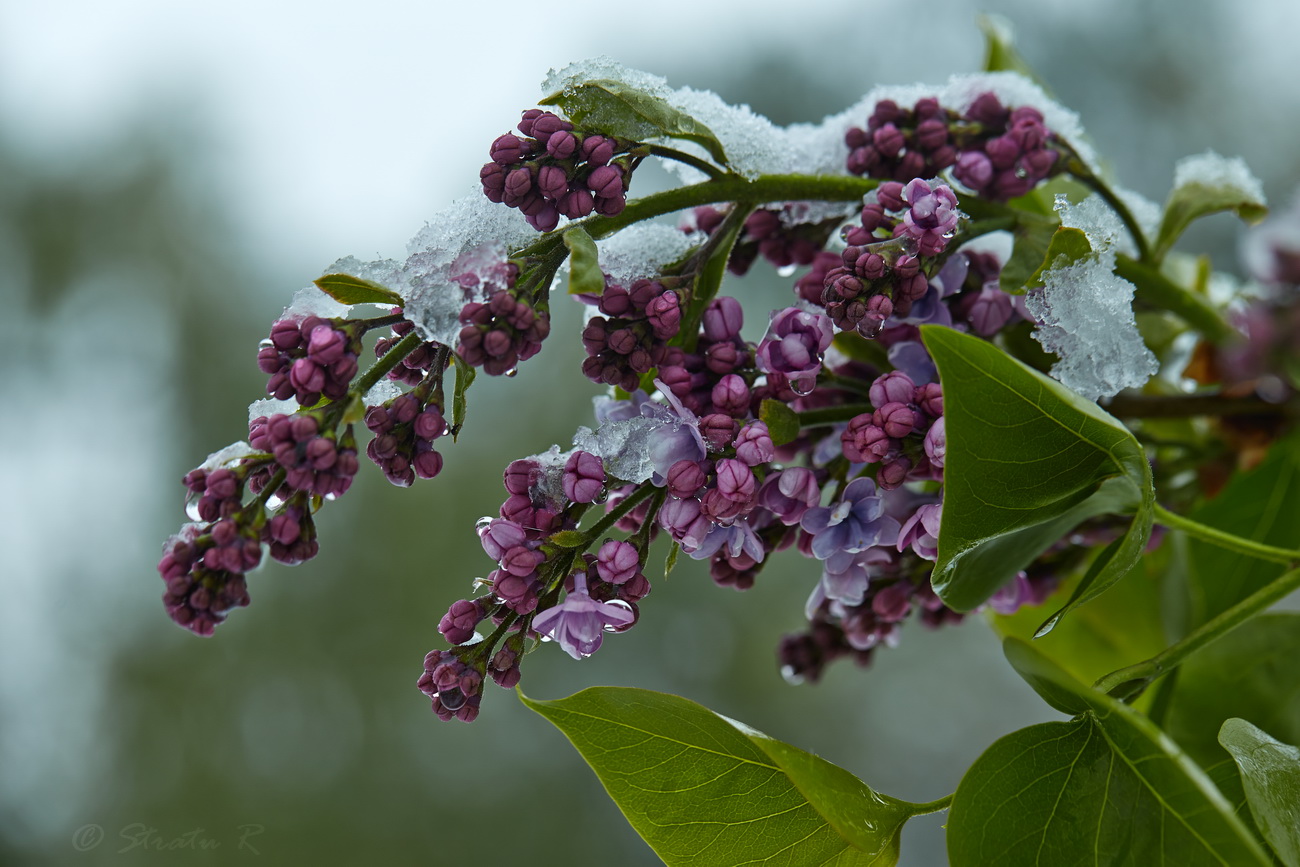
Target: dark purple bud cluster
[[890, 255], [717, 379], [200, 590], [783, 243], [554, 171], [503, 332], [904, 434], [405, 428], [310, 358], [996, 151], [314, 462], [455, 687], [632, 336], [415, 365]]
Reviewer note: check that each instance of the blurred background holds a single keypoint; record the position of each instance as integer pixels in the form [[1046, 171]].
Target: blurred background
[[170, 174]]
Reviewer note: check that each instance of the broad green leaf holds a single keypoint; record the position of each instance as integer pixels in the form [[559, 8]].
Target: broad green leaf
[[1106, 788], [622, 111], [464, 378], [1068, 245], [858, 348], [1112, 564], [346, 289], [670, 562], [585, 276], [704, 790], [1262, 505], [1052, 682], [1027, 461], [1215, 185], [1250, 673], [1270, 772], [1032, 240], [782, 422], [1118, 629]]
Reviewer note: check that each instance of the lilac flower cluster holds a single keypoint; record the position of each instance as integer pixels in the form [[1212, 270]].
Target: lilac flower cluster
[[501, 333], [890, 255], [777, 234], [996, 151], [314, 461], [631, 337], [415, 365], [405, 428], [309, 358], [553, 171]]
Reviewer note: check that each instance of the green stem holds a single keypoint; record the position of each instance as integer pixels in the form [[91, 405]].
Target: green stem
[[833, 414], [931, 806], [1135, 678], [1159, 291], [694, 162], [379, 321], [1286, 556], [613, 515], [391, 359], [1196, 405], [713, 254], [271, 487]]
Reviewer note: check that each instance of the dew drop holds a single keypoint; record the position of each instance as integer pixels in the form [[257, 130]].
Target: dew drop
[[192, 510], [1021, 172], [452, 699], [482, 523], [787, 270], [790, 676], [601, 497], [274, 502], [512, 371], [802, 387], [870, 328]]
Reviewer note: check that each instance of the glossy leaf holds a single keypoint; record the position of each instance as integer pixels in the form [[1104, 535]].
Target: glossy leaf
[[1198, 198], [1262, 505], [1112, 564], [464, 378], [1027, 461], [670, 562], [1270, 772], [782, 422], [1068, 245], [346, 289], [1032, 240], [1106, 788], [704, 790], [617, 109], [585, 276]]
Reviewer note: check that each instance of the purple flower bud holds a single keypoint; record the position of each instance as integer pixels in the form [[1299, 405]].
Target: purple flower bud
[[865, 442], [794, 344], [735, 480], [892, 387], [988, 310], [665, 315], [920, 532], [430, 424], [723, 319], [519, 183], [936, 443], [718, 430], [731, 396], [427, 464], [508, 149], [790, 493], [606, 182], [974, 170], [517, 592], [596, 150], [930, 398], [685, 522], [754, 444], [584, 477], [890, 196], [577, 204], [685, 478], [896, 419], [893, 472], [499, 536], [617, 562], [521, 561], [562, 145], [892, 602], [457, 625], [888, 140], [552, 182]]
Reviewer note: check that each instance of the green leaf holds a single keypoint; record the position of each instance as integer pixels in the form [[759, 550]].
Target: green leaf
[[1262, 505], [1068, 245], [568, 539], [1106, 788], [464, 378], [670, 562], [1270, 771], [1112, 564], [1219, 190], [617, 109], [1032, 240], [1053, 683], [782, 422], [704, 790], [585, 276], [859, 348], [1027, 461], [346, 289]]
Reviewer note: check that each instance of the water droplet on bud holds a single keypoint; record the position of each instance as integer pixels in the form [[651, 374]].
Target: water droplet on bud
[[601, 497], [802, 387], [512, 371], [482, 523], [790, 676], [192, 510], [787, 270]]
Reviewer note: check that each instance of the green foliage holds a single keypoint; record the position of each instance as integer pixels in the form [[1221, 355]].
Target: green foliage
[[1009, 497], [705, 790], [1068, 245], [585, 276], [1270, 771], [1190, 201], [464, 378], [1107, 787], [1032, 238], [617, 109], [782, 422], [346, 289]]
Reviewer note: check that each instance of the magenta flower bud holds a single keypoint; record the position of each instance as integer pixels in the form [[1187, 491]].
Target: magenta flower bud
[[974, 170], [790, 493], [596, 150], [735, 480], [611, 207], [893, 473], [754, 444], [684, 522], [493, 179], [320, 453], [427, 464], [622, 340], [285, 528], [500, 535], [722, 358], [890, 196], [878, 309], [896, 419], [869, 266], [519, 183], [307, 377], [577, 204], [685, 478], [793, 345], [377, 420], [723, 319], [562, 145], [665, 315], [719, 509], [508, 149], [865, 442], [497, 344], [521, 561], [457, 625], [731, 396], [544, 219], [889, 140], [285, 335], [892, 387], [892, 602], [931, 133], [430, 424], [718, 430], [936, 443], [617, 562], [546, 124], [930, 398], [1002, 152], [529, 119], [987, 110], [519, 593], [988, 310], [552, 182], [584, 477], [269, 360], [606, 182]]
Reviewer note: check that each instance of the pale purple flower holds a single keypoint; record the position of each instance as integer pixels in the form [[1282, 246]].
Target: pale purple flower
[[685, 522], [790, 493], [794, 344], [578, 623], [911, 357], [921, 531], [736, 539], [936, 443], [857, 522], [931, 217], [845, 579], [678, 440]]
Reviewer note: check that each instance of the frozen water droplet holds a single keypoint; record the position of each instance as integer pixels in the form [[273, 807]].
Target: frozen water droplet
[[274, 502], [1021, 172], [790, 676], [787, 270], [512, 371], [192, 510]]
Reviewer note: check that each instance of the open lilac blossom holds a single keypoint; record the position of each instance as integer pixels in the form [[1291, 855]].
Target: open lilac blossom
[[857, 522], [921, 531], [735, 539], [578, 623], [794, 344]]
